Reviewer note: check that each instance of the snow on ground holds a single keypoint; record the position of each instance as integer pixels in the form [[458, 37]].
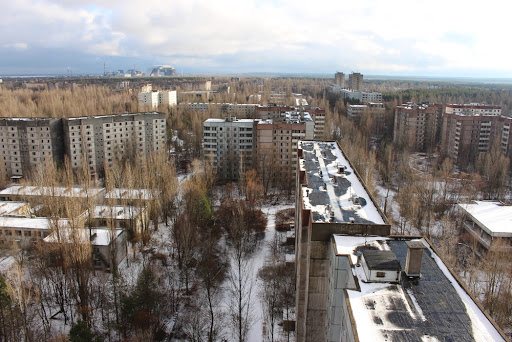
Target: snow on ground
[[260, 257]]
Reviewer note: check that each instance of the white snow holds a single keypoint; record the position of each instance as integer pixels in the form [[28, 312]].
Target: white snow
[[344, 202]]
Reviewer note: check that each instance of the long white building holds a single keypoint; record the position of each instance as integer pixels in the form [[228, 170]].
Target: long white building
[[153, 99]]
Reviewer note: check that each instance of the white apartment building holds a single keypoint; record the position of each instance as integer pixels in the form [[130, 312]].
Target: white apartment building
[[361, 96], [98, 140], [152, 100], [229, 143]]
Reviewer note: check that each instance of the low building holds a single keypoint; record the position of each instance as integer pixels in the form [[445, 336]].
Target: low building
[[118, 216], [39, 193], [487, 221], [28, 229], [9, 208], [133, 197], [108, 245]]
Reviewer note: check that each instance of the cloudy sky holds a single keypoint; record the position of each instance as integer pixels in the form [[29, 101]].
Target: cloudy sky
[[404, 37]]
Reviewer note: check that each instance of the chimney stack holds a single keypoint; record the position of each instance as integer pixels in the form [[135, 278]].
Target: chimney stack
[[413, 262]]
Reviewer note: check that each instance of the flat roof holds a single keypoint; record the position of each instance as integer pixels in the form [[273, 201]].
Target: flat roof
[[100, 236], [129, 194], [28, 222], [7, 207], [493, 217], [432, 308], [49, 191], [118, 212], [332, 196]]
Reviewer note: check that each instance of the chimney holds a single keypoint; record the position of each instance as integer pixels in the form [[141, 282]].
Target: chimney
[[413, 262]]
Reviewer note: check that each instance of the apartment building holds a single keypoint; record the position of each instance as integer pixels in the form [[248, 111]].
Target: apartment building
[[417, 126], [237, 145], [339, 79], [98, 140], [153, 99], [230, 144], [318, 116], [355, 95], [375, 109], [355, 81], [355, 282], [26, 143], [470, 129], [231, 109]]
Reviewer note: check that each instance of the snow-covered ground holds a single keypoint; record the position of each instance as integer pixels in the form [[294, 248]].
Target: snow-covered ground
[[261, 256]]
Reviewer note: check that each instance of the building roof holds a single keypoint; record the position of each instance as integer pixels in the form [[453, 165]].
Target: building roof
[[28, 222], [432, 308], [100, 236], [7, 207], [50, 191], [330, 195], [493, 217], [129, 194], [117, 212]]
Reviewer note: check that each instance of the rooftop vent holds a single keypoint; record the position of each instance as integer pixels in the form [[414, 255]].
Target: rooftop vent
[[341, 169], [413, 262], [351, 219]]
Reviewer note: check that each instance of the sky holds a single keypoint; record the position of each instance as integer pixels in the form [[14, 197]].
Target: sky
[[435, 38]]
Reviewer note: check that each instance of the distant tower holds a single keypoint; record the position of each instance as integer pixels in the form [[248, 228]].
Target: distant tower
[[339, 79], [355, 81]]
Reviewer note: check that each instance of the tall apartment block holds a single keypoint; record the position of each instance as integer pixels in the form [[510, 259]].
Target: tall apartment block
[[416, 126], [153, 99], [318, 116], [27, 143], [355, 282], [339, 79], [230, 144], [355, 81], [237, 145], [98, 140], [375, 109], [330, 198], [470, 129]]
